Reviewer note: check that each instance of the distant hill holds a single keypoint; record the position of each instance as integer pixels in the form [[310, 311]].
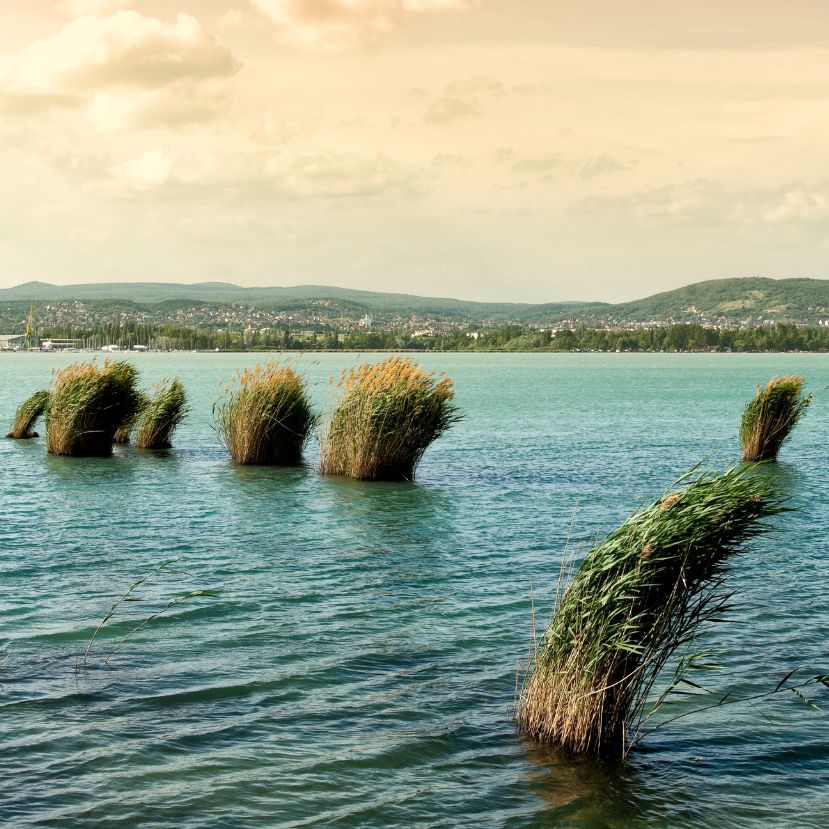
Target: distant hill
[[151, 293], [752, 299]]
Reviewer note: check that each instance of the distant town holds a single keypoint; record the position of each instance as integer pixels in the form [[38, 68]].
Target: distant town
[[739, 314]]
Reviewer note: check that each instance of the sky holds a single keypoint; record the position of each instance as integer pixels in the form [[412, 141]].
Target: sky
[[502, 150]]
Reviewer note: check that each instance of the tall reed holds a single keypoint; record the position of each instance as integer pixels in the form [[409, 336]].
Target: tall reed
[[27, 414], [123, 433], [387, 416], [87, 405], [639, 594], [159, 417], [266, 418], [770, 416]]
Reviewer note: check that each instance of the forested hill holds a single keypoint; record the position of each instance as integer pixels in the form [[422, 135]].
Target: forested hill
[[296, 297], [752, 300]]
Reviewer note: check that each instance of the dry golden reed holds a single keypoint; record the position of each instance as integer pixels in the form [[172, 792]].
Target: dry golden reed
[[266, 417], [88, 403], [770, 416], [387, 415]]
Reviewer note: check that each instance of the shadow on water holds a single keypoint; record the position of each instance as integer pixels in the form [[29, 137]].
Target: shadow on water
[[384, 512], [95, 471], [784, 476], [264, 480]]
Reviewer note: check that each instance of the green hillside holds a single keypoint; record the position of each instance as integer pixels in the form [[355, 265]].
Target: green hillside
[[752, 299], [152, 293], [728, 301]]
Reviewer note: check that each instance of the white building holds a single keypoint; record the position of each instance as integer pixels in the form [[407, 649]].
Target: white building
[[11, 342], [59, 345]]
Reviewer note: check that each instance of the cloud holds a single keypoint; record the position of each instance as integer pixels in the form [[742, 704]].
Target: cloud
[[151, 170], [540, 164], [799, 204], [602, 165], [125, 49], [275, 130], [326, 175], [449, 110], [172, 106], [504, 154], [339, 175], [232, 18], [712, 203], [475, 86], [128, 71], [449, 161], [345, 24], [83, 8], [463, 99]]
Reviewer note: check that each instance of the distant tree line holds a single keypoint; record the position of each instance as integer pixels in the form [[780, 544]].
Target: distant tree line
[[680, 337]]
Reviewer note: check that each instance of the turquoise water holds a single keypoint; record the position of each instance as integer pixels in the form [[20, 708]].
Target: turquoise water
[[354, 663]]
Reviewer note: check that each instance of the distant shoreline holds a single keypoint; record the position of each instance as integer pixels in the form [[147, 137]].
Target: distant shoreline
[[99, 352]]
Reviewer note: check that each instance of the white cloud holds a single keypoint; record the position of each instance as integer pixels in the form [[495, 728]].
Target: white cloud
[[127, 70], [328, 175], [275, 130], [712, 203], [603, 165], [147, 172], [83, 8], [337, 175], [232, 18], [449, 110], [125, 49], [171, 106], [344, 24], [800, 204]]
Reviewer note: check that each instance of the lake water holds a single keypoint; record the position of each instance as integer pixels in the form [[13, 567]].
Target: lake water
[[354, 662]]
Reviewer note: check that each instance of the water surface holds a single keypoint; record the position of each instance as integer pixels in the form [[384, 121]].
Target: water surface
[[354, 662]]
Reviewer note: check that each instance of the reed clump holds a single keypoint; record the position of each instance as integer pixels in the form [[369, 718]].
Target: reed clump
[[123, 433], [770, 416], [387, 415], [87, 405], [160, 416], [266, 418], [639, 594], [27, 414]]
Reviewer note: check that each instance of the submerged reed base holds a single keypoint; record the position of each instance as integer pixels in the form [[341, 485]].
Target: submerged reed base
[[267, 418], [770, 416], [639, 594], [88, 403], [160, 416], [387, 416], [27, 414]]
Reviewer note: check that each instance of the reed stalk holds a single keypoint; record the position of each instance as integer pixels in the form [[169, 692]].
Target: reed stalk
[[160, 416], [123, 433], [639, 594], [770, 416], [88, 403], [387, 416], [266, 417], [27, 415]]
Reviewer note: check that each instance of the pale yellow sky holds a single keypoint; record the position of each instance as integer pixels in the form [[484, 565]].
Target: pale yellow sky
[[501, 149]]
